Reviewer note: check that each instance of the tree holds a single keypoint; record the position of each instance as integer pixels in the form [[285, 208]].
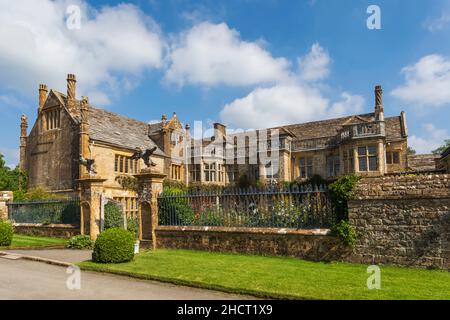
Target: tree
[[442, 148], [9, 179], [411, 151]]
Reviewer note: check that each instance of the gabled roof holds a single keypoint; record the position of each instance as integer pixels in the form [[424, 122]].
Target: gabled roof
[[324, 128], [115, 129]]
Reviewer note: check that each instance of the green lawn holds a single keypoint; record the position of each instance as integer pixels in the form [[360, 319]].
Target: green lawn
[[280, 277], [22, 241]]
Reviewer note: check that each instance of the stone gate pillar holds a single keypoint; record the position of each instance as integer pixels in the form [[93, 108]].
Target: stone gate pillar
[[91, 189], [150, 185]]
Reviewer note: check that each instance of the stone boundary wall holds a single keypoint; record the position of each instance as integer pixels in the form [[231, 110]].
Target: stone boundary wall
[[314, 245], [403, 220], [50, 230]]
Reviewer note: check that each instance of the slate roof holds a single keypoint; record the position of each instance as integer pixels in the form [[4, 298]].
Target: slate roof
[[112, 128], [322, 128], [331, 127]]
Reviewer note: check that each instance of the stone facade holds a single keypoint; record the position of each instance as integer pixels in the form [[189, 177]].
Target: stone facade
[[66, 128], [403, 220]]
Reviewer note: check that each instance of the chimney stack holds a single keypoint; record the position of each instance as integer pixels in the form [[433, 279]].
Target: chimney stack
[[219, 130], [43, 90], [379, 110], [71, 92]]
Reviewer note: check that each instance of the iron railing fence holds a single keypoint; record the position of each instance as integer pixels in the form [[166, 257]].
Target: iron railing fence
[[299, 207], [45, 212]]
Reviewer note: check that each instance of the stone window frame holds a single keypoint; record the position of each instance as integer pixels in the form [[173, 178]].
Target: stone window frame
[[221, 172], [349, 161], [333, 163], [306, 167], [130, 205], [393, 155], [125, 165], [365, 156], [195, 172], [52, 119], [175, 172], [210, 171]]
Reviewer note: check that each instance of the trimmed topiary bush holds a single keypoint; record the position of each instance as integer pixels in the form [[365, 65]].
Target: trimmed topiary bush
[[114, 245], [80, 242], [6, 233]]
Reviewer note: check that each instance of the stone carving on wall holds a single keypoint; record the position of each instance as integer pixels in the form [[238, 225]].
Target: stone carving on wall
[[89, 164], [145, 192], [145, 155]]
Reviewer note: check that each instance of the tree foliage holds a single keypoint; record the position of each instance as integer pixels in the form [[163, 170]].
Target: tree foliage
[[9, 178], [442, 148]]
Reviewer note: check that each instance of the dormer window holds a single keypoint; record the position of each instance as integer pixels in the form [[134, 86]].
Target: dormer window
[[52, 119]]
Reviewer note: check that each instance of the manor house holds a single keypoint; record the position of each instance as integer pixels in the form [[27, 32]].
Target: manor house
[[67, 127]]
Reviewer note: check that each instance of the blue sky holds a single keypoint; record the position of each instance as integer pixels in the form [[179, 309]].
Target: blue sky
[[246, 63]]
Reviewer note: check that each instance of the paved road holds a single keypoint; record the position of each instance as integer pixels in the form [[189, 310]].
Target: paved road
[[22, 279], [65, 255]]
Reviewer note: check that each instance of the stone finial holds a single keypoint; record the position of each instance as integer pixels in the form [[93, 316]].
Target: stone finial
[[24, 119], [23, 125], [163, 119], [187, 127], [84, 109]]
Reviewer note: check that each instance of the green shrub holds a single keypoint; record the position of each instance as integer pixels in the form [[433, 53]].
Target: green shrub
[[175, 211], [113, 216], [209, 217], [340, 192], [114, 245], [6, 233], [37, 194], [80, 242], [345, 232], [133, 226]]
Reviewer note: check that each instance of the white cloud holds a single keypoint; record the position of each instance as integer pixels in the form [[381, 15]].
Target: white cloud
[[212, 54], [315, 65], [113, 44], [298, 99], [434, 139], [427, 82], [350, 104], [286, 104], [438, 23]]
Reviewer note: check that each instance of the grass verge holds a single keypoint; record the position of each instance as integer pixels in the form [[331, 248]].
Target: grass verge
[[279, 277], [20, 241]]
